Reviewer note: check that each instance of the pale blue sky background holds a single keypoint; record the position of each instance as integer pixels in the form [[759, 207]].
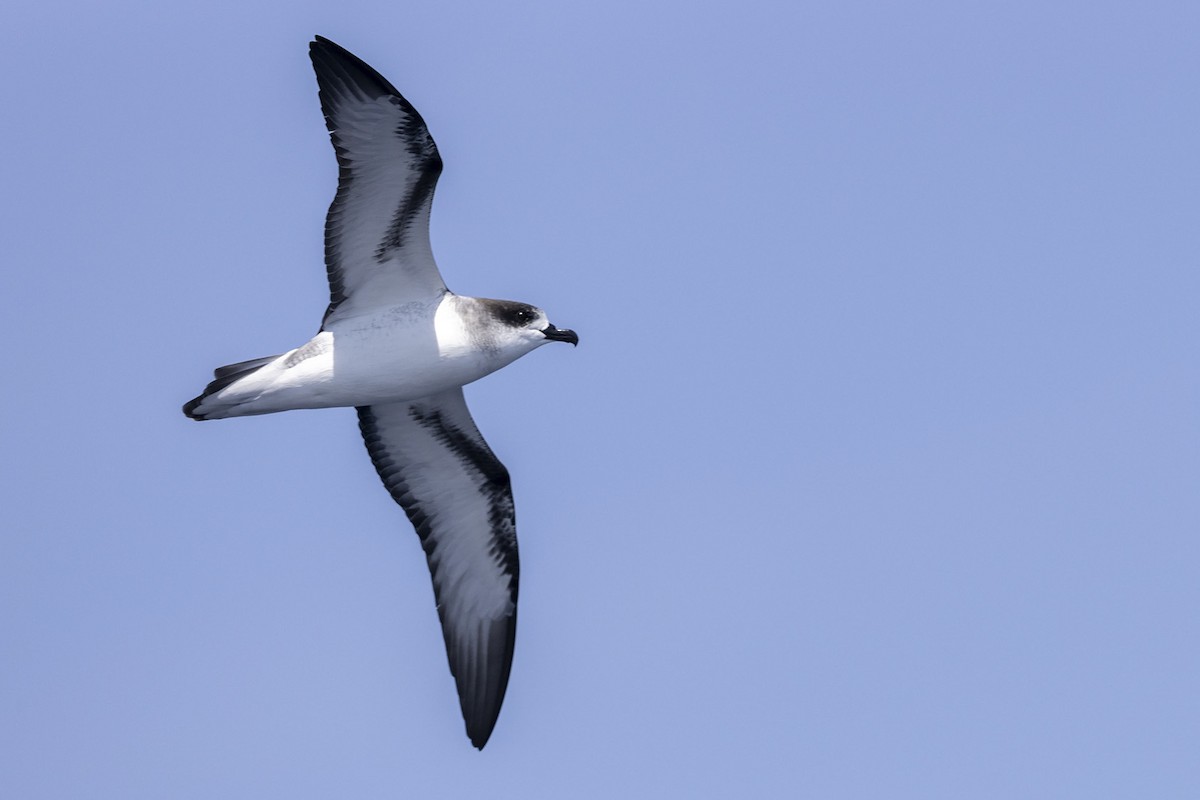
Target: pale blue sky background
[[874, 476]]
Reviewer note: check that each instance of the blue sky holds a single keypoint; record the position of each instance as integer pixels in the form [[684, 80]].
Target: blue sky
[[874, 475]]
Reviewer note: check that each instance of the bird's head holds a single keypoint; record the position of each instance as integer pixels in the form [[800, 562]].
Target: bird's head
[[529, 323]]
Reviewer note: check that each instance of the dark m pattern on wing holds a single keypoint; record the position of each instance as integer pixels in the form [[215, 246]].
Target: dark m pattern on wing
[[480, 650], [419, 197], [477, 458], [413, 135]]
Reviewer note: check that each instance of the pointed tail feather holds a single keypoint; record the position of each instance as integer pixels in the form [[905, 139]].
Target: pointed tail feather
[[224, 376]]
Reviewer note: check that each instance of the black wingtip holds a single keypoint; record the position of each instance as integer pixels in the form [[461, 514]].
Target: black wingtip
[[319, 42], [480, 723], [482, 674], [329, 57], [479, 731]]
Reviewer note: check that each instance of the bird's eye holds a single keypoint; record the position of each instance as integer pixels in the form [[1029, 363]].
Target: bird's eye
[[523, 316]]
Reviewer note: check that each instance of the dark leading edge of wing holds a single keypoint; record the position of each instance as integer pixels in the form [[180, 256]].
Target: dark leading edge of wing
[[377, 250], [455, 491]]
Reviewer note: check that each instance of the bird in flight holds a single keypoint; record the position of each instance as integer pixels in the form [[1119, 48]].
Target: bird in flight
[[398, 346]]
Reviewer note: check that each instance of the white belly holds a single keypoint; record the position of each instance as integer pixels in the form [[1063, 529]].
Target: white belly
[[398, 354]]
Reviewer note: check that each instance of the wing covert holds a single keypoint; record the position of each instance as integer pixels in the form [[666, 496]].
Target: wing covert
[[377, 250], [457, 494]]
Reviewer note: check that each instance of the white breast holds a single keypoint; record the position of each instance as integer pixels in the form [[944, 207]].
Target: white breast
[[394, 354]]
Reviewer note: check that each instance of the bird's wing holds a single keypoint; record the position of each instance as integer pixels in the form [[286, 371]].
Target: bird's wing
[[436, 465], [377, 250]]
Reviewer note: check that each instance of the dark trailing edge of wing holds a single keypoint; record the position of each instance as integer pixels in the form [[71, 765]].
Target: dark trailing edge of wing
[[339, 73], [482, 661]]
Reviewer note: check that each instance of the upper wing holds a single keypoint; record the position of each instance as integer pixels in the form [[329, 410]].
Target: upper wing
[[377, 249], [457, 494]]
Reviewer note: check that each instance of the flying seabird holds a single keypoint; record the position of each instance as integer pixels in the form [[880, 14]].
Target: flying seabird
[[398, 346]]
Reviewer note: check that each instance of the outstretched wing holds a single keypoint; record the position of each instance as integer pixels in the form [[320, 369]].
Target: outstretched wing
[[377, 250], [436, 465]]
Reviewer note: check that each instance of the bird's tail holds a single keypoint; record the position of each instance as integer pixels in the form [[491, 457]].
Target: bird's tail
[[223, 377]]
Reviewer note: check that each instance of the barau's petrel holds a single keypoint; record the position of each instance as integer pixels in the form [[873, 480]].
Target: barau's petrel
[[397, 345]]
